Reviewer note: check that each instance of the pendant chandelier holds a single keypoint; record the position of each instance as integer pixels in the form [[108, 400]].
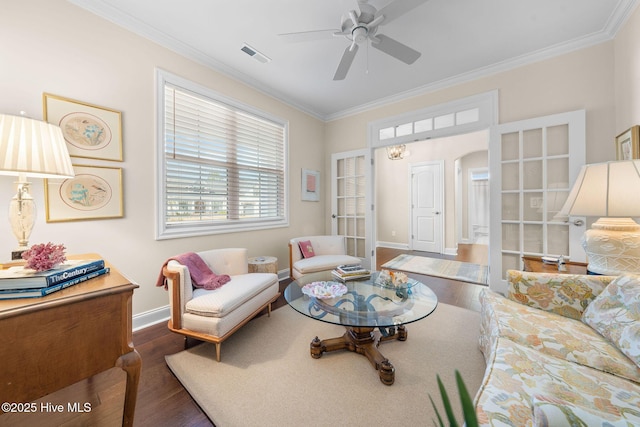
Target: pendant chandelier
[[395, 152]]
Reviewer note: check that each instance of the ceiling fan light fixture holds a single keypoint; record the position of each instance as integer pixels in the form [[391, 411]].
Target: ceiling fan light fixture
[[359, 34]]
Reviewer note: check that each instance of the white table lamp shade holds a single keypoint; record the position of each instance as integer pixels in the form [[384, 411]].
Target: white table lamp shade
[[608, 191], [33, 148], [605, 190]]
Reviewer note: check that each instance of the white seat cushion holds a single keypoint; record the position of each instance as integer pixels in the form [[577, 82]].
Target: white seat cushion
[[323, 262], [221, 301]]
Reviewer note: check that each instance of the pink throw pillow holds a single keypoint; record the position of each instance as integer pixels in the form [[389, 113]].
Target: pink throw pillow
[[306, 249]]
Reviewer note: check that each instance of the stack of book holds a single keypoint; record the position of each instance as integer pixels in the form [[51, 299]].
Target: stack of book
[[350, 272], [18, 282]]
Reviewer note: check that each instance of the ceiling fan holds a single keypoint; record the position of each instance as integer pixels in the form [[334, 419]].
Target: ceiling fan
[[361, 26]]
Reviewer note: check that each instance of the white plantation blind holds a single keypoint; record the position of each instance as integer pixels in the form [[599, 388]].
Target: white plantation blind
[[224, 167]]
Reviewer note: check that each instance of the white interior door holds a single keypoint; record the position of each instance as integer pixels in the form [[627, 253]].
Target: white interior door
[[533, 164], [427, 216], [351, 201]]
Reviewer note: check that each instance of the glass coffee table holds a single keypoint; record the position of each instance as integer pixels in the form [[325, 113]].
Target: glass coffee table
[[370, 310]]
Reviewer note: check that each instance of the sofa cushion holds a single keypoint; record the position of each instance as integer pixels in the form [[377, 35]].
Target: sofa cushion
[[564, 294], [553, 412], [549, 333], [323, 263], [517, 373], [615, 314], [221, 301]]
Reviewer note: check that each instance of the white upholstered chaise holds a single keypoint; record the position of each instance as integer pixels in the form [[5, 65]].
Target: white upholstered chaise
[[214, 315]]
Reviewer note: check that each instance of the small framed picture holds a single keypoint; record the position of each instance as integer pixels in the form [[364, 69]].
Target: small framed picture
[[628, 144], [95, 192], [310, 185], [90, 131]]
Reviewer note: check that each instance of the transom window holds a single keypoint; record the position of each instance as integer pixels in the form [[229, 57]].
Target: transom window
[[465, 115], [222, 164]]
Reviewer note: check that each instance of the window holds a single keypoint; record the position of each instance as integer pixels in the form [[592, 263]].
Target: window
[[465, 115], [221, 164]]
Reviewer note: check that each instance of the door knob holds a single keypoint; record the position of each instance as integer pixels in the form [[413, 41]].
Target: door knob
[[578, 222], [333, 215], [437, 213]]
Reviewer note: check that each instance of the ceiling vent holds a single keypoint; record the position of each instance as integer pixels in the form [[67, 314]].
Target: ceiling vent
[[255, 54]]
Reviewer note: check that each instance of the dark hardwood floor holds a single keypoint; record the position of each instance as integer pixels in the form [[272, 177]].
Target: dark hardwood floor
[[162, 401]]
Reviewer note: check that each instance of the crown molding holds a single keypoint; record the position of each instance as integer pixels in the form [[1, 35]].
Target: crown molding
[[124, 20], [617, 19]]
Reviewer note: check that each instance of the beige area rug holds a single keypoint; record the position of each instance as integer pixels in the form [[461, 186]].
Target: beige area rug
[[456, 270], [268, 378]]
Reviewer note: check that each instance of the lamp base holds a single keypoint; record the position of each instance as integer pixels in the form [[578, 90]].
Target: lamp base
[[17, 254], [22, 216], [612, 246]]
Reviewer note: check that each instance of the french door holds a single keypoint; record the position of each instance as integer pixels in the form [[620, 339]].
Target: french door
[[351, 202], [533, 165]]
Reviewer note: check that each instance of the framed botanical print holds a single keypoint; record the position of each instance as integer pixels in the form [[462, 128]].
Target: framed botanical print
[[90, 131], [95, 192], [628, 144]]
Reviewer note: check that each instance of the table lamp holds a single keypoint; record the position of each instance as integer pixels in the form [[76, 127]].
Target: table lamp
[[30, 148], [609, 191]]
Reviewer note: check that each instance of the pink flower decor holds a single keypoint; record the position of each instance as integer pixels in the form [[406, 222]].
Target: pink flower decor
[[43, 256]]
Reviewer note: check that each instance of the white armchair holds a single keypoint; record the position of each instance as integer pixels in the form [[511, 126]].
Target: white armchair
[[329, 252], [214, 315]]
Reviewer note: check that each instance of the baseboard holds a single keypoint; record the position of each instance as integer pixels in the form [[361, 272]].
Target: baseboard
[[392, 245], [151, 317], [451, 251], [162, 314], [404, 246], [283, 274]]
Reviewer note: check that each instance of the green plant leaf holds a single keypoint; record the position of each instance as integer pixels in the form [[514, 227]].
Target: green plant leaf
[[468, 410], [447, 404], [441, 424]]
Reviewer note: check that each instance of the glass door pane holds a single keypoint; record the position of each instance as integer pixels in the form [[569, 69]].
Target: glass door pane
[[536, 173], [349, 203]]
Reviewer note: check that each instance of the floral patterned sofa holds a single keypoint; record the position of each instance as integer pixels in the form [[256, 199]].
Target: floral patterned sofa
[[561, 350]]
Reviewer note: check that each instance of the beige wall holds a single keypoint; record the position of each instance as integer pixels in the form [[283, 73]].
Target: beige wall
[[627, 74], [579, 80], [53, 46]]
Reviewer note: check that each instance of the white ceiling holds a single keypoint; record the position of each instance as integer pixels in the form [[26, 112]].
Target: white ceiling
[[459, 40]]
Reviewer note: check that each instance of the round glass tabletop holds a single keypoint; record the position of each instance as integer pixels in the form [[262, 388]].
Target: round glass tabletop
[[360, 303]]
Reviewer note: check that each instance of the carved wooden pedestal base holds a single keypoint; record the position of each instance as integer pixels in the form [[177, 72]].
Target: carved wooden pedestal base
[[364, 341]]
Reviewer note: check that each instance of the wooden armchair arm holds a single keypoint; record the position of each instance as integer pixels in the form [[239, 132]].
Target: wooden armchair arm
[[290, 260], [174, 276]]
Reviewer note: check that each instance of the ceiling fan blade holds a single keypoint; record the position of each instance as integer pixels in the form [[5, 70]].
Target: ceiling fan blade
[[376, 21], [397, 8], [354, 17], [345, 62], [396, 49], [305, 36]]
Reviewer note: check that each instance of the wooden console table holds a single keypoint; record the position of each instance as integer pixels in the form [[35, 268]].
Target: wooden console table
[[52, 342], [535, 264]]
